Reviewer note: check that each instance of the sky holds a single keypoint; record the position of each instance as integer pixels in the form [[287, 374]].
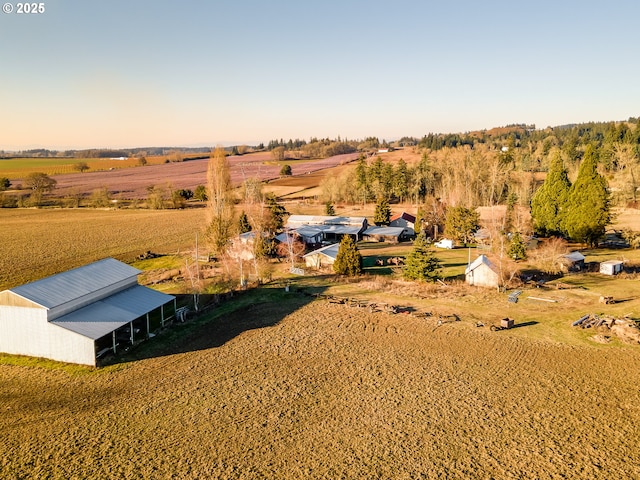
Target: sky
[[124, 74]]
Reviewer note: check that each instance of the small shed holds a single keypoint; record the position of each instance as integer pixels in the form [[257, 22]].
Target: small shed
[[482, 273], [611, 267], [572, 262], [322, 257]]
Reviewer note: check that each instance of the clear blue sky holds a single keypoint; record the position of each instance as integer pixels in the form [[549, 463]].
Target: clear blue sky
[[141, 73]]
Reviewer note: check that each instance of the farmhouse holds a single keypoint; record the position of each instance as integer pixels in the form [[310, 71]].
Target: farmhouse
[[326, 228], [79, 315], [611, 267], [482, 273], [406, 221], [322, 257], [242, 247]]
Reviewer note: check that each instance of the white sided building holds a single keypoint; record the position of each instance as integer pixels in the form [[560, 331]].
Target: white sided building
[[78, 315], [482, 273]]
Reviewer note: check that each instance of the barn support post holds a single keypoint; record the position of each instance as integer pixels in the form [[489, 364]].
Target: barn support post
[[113, 336], [162, 316], [131, 330], [147, 324]]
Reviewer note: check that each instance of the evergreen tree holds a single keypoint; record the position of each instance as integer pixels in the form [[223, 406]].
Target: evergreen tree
[[362, 178], [382, 215], [276, 213], [421, 263], [348, 261], [329, 210], [243, 223], [401, 180], [517, 248], [512, 199], [588, 205], [461, 223], [550, 200]]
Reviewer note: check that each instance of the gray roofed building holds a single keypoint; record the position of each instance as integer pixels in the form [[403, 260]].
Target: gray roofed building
[[316, 228], [75, 315], [322, 257], [482, 272], [68, 286]]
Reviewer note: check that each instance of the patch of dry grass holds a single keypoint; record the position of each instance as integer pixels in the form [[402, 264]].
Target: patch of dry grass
[[285, 389], [39, 243]]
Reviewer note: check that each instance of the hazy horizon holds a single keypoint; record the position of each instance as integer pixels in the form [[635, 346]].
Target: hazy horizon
[[121, 75]]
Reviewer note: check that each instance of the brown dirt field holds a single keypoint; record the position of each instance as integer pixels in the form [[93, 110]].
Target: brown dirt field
[[130, 183], [46, 241], [289, 389], [626, 218]]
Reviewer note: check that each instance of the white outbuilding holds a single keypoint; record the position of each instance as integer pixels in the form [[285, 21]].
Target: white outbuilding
[[323, 257], [78, 315], [611, 267], [482, 273]]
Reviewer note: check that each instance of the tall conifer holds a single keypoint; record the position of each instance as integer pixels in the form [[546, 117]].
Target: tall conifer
[[588, 205], [550, 200], [348, 261]]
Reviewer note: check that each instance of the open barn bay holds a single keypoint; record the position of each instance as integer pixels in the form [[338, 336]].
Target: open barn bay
[[287, 386]]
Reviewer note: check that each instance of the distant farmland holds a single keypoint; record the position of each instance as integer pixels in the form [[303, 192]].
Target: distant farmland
[[132, 183]]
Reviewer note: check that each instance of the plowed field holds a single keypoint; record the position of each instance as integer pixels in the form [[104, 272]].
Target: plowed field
[[293, 388]]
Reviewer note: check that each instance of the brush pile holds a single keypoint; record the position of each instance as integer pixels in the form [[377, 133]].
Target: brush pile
[[625, 328]]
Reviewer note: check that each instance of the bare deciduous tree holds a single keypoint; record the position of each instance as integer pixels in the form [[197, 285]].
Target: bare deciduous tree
[[220, 202]]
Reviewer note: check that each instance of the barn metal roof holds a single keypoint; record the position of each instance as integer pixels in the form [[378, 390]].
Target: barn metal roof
[[63, 287], [104, 316]]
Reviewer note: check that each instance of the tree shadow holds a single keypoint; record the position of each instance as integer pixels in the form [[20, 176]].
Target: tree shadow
[[219, 321]]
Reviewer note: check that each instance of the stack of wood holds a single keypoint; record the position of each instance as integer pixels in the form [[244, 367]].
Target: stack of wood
[[592, 320], [625, 328]]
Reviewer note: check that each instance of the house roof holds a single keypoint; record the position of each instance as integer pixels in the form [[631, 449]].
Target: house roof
[[574, 256], [404, 215], [330, 251], [104, 316], [64, 287], [612, 262], [296, 220], [481, 260], [384, 231], [308, 231]]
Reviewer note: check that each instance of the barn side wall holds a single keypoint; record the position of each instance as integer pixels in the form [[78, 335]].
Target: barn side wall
[[25, 331]]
